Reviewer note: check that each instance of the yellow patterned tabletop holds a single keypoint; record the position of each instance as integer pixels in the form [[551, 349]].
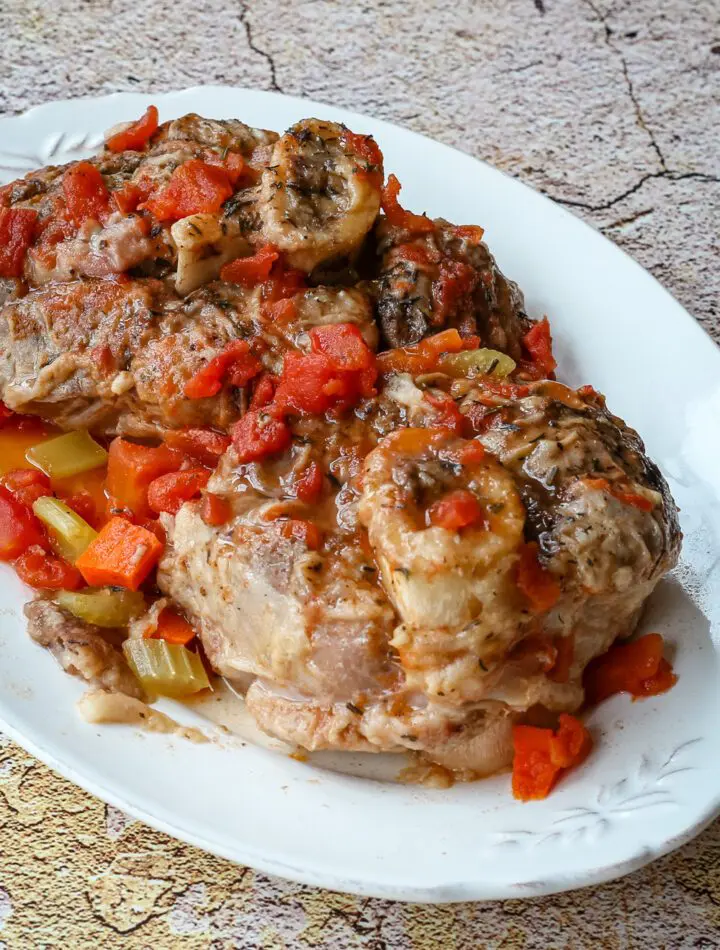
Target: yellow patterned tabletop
[[606, 106]]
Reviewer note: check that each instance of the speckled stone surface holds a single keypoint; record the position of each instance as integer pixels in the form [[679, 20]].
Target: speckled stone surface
[[610, 108]]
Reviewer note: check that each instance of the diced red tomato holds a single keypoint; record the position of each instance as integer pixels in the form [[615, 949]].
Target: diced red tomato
[[205, 445], [19, 528], [214, 510], [309, 487], [195, 187], [316, 382], [136, 136], [419, 254], [259, 434], [132, 467], [471, 453], [283, 283], [122, 555], [344, 346], [45, 571], [27, 484], [538, 343], [458, 509], [250, 271], [398, 216], [169, 492], [638, 668], [236, 363], [366, 150], [264, 392], [446, 412], [233, 163], [83, 504], [86, 194], [543, 756], [535, 581], [132, 194], [17, 230], [302, 383], [304, 531], [173, 628]]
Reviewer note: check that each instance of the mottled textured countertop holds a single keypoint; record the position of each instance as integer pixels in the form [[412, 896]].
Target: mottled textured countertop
[[610, 108]]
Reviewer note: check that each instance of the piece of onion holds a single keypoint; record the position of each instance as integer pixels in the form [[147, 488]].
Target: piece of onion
[[70, 534], [67, 454], [103, 606], [165, 669]]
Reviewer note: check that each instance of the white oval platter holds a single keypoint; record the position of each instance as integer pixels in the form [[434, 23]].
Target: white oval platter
[[654, 779]]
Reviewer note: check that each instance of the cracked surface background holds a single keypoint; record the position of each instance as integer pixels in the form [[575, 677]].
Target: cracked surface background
[[610, 108]]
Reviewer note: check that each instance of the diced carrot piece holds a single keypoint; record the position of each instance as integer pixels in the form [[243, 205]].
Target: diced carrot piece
[[459, 509], [132, 467], [423, 357], [637, 668], [571, 744], [170, 492], [172, 627], [535, 581], [136, 136], [122, 555], [543, 756]]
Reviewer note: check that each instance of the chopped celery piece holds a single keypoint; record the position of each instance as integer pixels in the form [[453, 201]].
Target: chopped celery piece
[[69, 533], [67, 454], [166, 669], [477, 362], [103, 606]]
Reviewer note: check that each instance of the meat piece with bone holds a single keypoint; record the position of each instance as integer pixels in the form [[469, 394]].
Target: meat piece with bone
[[443, 278], [448, 646], [112, 238], [115, 357]]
